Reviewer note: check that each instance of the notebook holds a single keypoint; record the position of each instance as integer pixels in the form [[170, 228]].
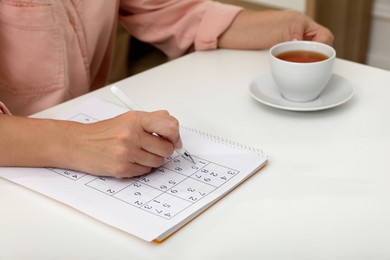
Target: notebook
[[155, 205]]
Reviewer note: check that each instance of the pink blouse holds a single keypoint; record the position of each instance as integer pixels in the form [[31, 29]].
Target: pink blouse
[[54, 50]]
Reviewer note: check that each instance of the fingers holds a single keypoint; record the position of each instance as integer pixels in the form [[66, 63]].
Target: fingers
[[133, 161], [143, 148], [302, 27], [124, 146], [322, 35], [156, 145], [164, 125], [315, 32], [129, 170]]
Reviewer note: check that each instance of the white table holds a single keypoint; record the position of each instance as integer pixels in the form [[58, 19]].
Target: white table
[[325, 193]]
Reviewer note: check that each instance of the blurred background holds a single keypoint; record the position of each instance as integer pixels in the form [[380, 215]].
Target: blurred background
[[361, 29]]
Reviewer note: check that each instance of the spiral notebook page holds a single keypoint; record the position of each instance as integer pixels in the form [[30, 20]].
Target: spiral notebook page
[[154, 205]]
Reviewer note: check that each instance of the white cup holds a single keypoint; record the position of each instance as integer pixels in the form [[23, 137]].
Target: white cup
[[301, 81]]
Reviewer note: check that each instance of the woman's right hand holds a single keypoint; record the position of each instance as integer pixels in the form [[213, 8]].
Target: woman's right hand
[[124, 146]]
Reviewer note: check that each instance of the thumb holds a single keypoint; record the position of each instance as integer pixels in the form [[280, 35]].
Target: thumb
[[295, 32]]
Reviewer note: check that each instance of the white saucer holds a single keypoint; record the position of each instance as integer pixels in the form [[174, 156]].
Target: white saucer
[[337, 92]]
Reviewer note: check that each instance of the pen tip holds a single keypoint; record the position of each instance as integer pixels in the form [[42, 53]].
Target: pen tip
[[192, 160], [189, 157]]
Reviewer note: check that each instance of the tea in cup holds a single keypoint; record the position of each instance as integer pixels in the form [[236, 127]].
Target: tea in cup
[[301, 69]]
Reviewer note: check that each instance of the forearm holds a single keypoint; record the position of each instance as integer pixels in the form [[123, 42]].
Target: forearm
[[250, 30], [123, 146], [33, 142]]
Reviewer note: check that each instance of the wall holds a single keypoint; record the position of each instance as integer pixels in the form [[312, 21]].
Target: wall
[[379, 44]]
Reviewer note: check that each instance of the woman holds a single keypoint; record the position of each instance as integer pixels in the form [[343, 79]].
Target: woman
[[52, 51]]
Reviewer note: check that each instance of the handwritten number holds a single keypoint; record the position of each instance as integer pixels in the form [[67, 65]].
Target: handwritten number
[[193, 198], [144, 179]]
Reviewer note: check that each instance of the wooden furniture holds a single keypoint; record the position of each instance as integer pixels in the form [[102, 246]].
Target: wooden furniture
[[349, 20]]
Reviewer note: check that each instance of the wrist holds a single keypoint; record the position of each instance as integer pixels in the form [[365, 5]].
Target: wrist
[[63, 143]]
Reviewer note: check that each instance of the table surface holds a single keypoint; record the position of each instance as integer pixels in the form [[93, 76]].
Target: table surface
[[323, 195]]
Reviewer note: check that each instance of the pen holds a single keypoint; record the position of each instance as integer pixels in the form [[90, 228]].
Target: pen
[[130, 104]]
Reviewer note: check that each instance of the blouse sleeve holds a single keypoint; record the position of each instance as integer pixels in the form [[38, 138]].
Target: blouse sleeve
[[3, 109], [177, 26]]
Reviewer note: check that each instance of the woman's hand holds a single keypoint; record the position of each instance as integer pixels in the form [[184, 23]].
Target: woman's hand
[[124, 146], [261, 30]]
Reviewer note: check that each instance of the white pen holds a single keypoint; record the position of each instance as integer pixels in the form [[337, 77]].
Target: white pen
[[133, 106]]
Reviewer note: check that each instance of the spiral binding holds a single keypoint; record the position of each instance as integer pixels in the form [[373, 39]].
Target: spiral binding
[[224, 141]]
